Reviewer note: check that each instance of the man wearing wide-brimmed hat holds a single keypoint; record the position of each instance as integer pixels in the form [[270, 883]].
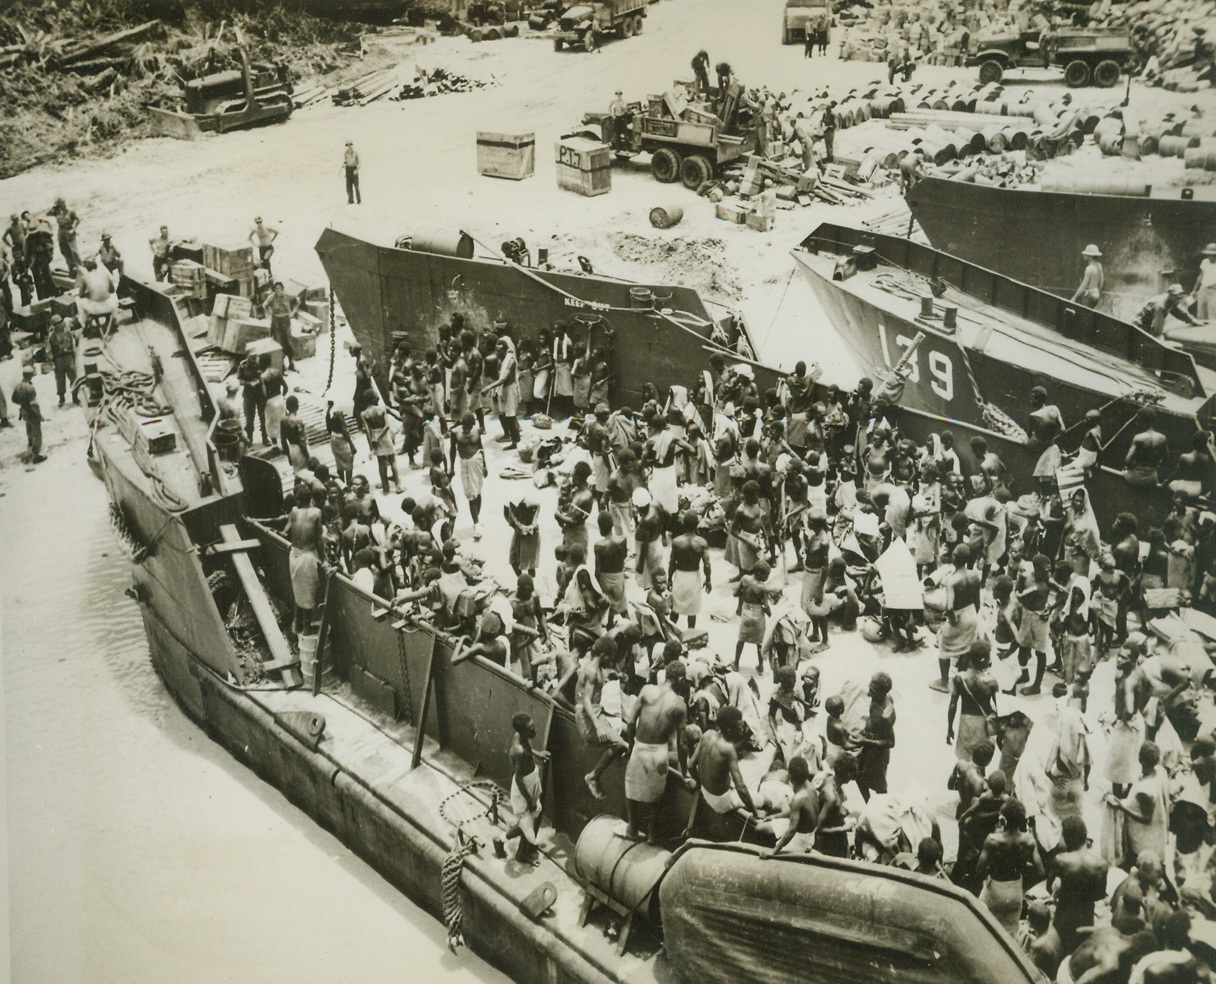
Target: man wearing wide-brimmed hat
[[1205, 285], [1090, 291]]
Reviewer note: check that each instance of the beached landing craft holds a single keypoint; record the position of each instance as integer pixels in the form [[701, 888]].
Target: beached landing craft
[[988, 340], [401, 753], [1036, 236], [406, 291]]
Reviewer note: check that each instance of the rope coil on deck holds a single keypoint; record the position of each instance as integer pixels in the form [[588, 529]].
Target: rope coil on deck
[[466, 844]]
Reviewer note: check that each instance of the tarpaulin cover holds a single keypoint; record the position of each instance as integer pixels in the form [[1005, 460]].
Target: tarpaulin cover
[[730, 917]]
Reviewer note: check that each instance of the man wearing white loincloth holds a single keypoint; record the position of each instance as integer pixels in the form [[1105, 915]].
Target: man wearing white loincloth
[[658, 717], [525, 790], [689, 553], [304, 531]]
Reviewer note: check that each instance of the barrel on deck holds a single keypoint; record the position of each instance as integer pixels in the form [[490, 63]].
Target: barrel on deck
[[1203, 156], [1087, 184], [227, 439], [624, 870], [442, 242], [308, 657]]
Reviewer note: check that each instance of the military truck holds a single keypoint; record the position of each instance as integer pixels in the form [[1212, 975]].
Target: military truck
[[800, 16], [1097, 57], [586, 25], [688, 145]]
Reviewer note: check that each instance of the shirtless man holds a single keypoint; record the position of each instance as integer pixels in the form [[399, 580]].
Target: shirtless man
[[304, 532], [803, 812], [595, 727], [689, 553], [525, 790], [466, 446], [1193, 475], [1107, 956], [753, 611], [1148, 454], [715, 765], [835, 819], [97, 293], [263, 237], [595, 438], [1077, 878], [611, 552], [659, 715], [970, 776]]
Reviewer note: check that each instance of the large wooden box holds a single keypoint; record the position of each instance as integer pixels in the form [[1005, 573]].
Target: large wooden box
[[190, 277], [232, 261], [267, 346], [506, 155], [584, 166], [303, 342]]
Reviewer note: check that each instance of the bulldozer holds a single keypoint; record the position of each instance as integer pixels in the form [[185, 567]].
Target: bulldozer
[[251, 95]]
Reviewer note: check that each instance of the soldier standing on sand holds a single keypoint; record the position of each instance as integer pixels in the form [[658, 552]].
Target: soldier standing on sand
[[26, 397], [69, 226], [63, 354], [350, 164]]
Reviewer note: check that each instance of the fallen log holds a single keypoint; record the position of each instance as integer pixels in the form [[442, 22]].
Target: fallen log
[[88, 50], [95, 65]]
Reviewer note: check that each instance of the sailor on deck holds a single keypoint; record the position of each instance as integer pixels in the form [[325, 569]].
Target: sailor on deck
[[1090, 290], [1152, 316]]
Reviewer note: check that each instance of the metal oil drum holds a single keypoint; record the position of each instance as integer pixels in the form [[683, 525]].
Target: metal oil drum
[[442, 242], [624, 870]]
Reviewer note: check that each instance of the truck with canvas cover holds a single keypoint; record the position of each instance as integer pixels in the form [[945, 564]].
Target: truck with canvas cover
[[801, 17], [586, 25], [1085, 57], [690, 136]]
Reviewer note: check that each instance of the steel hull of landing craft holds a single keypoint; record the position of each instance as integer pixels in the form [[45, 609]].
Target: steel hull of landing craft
[[1037, 236]]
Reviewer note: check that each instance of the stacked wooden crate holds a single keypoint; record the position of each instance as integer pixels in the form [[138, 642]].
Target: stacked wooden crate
[[230, 268], [191, 277], [584, 166]]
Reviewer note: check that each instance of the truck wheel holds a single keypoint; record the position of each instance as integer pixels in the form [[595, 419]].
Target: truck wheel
[[665, 165], [990, 72], [557, 44], [627, 27], [638, 23], [1107, 73], [1076, 74], [590, 41], [695, 171]]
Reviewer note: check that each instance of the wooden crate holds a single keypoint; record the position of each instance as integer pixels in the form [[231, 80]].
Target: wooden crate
[[303, 342], [584, 166], [506, 155], [732, 212], [267, 346], [232, 261], [190, 277]]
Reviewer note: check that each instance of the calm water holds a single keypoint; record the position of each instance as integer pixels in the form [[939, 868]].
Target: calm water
[[139, 851]]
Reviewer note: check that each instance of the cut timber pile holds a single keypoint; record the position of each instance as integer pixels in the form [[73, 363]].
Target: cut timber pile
[[437, 83]]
